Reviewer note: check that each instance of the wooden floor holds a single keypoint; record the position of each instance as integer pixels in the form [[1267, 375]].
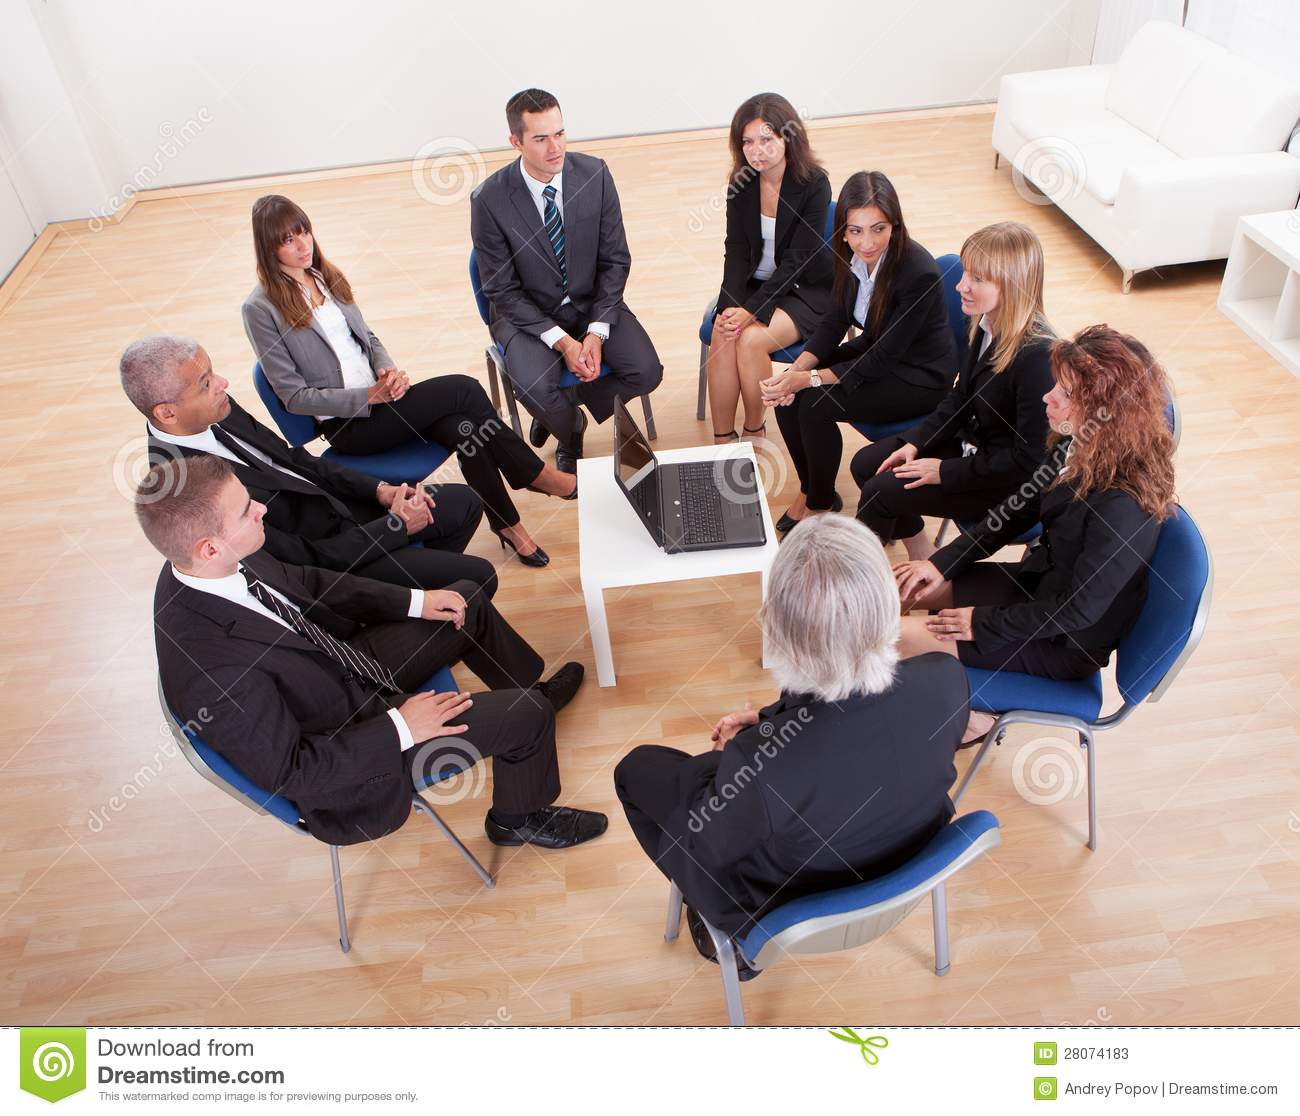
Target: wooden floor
[[135, 893]]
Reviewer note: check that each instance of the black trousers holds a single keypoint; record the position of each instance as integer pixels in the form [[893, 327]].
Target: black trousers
[[512, 724], [894, 511], [535, 370], [438, 561], [453, 411], [811, 426]]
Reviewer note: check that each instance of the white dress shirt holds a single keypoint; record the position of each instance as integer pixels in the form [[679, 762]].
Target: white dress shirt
[[866, 284], [555, 333], [234, 588], [207, 442], [354, 365], [987, 339], [767, 265]]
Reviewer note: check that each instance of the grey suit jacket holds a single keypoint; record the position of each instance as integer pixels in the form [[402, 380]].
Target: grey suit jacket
[[300, 363], [521, 276]]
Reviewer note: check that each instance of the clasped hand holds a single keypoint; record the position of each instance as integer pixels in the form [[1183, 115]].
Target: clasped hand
[[391, 385], [412, 504], [731, 724], [582, 358]]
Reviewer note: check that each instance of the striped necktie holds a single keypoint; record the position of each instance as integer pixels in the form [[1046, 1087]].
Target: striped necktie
[[355, 662], [555, 229]]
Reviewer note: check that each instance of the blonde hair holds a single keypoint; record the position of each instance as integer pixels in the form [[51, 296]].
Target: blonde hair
[[1009, 254], [832, 613]]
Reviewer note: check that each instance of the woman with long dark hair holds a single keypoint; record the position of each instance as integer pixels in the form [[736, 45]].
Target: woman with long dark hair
[[990, 432], [899, 366], [1105, 488], [776, 275], [323, 360]]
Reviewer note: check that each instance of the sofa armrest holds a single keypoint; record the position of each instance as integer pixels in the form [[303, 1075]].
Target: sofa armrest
[[1077, 86], [1187, 209]]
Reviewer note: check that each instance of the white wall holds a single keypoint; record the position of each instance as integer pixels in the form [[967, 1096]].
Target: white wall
[[174, 93]]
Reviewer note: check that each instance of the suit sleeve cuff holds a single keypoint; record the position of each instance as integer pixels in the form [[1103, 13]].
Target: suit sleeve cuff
[[552, 335], [600, 329], [416, 609], [403, 730]]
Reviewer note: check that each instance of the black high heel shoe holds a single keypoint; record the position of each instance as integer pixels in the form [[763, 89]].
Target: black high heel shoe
[[785, 524], [537, 559]]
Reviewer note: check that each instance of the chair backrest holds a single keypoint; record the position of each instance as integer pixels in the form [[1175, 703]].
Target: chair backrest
[[829, 230], [476, 284], [298, 430], [1179, 584], [852, 916], [950, 269]]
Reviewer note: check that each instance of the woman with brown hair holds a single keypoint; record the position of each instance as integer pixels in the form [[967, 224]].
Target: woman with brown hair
[[1102, 493], [323, 360], [776, 275], [990, 432], [899, 366]]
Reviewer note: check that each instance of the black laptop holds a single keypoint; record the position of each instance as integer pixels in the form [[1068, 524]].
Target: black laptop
[[688, 505]]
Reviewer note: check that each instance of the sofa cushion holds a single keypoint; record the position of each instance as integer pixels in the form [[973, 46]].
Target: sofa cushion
[[1151, 73], [1231, 107]]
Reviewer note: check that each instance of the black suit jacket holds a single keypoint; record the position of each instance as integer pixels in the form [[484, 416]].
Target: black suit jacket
[[521, 277], [281, 710], [915, 342], [1003, 414], [333, 521], [803, 262], [819, 795], [1087, 574]]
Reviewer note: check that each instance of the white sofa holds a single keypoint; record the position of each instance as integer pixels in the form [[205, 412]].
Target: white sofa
[[1156, 156]]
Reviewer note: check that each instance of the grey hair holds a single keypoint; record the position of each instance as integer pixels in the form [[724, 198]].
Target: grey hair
[[149, 369], [832, 612]]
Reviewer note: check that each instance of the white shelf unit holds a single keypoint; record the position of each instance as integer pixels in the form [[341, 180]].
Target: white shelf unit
[[1261, 284]]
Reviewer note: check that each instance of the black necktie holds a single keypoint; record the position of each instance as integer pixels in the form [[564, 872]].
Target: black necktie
[[353, 661], [242, 452]]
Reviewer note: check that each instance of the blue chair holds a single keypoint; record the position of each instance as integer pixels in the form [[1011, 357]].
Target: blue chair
[[495, 356], [781, 356], [227, 778], [1162, 639], [852, 916], [409, 463]]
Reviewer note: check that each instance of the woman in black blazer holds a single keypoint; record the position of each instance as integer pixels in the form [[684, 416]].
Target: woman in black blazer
[[898, 367], [842, 779], [990, 432], [1102, 493], [776, 277], [323, 360]]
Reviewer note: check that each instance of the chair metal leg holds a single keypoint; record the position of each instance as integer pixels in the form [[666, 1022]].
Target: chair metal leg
[[345, 943], [730, 977], [939, 909], [424, 808], [994, 736], [1089, 744], [513, 406], [674, 926], [704, 382], [649, 418], [996, 159], [494, 383], [943, 532]]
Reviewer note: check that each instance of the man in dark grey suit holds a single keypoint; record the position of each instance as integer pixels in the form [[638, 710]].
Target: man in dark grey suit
[[553, 258]]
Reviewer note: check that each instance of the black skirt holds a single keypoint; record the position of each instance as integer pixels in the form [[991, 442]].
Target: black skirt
[[805, 318]]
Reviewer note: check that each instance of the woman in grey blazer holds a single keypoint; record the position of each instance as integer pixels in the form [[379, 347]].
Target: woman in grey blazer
[[323, 360]]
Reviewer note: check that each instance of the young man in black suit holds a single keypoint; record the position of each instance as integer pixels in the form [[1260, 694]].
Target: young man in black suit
[[554, 260], [301, 677], [318, 513]]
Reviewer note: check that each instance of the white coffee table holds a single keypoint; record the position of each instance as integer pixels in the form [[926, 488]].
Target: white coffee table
[[1261, 284], [615, 550]]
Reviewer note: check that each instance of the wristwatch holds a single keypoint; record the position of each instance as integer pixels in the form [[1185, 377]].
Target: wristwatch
[[814, 378]]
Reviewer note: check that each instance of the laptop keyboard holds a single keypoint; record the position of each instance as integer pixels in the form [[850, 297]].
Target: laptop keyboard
[[701, 503]]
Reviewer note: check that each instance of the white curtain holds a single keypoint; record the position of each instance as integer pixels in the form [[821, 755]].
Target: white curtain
[[1119, 19]]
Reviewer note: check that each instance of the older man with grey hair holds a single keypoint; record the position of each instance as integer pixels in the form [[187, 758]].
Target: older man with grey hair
[[319, 513], [841, 779]]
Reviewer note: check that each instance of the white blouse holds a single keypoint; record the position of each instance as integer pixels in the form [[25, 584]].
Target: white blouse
[[353, 362], [767, 265]]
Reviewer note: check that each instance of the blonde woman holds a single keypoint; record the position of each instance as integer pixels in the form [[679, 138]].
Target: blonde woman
[[990, 432]]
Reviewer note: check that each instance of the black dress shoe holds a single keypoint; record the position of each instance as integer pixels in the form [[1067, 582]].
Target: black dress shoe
[[785, 524], [537, 559], [551, 827], [566, 457], [537, 433], [562, 685], [704, 945]]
